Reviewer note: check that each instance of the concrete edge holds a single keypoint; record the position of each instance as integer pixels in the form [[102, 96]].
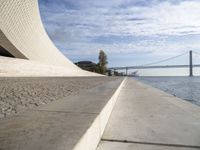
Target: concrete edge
[[92, 137], [190, 107]]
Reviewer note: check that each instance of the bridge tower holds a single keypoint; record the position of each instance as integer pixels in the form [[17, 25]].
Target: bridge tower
[[191, 65], [126, 71]]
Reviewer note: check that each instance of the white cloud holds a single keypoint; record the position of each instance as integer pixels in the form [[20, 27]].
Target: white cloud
[[162, 19], [73, 29]]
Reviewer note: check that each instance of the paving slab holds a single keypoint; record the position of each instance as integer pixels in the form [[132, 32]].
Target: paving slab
[[74, 123], [37, 130], [143, 114]]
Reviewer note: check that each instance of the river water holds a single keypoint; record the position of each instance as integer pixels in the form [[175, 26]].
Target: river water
[[187, 88]]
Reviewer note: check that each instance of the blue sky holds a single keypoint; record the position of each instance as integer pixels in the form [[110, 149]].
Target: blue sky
[[131, 32]]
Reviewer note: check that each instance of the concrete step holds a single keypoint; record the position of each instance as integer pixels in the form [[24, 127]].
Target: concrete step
[[73, 123]]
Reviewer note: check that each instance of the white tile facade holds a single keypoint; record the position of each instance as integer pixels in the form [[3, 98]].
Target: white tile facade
[[23, 35]]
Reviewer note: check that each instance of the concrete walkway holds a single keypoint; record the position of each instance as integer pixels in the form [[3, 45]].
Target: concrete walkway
[[145, 118]]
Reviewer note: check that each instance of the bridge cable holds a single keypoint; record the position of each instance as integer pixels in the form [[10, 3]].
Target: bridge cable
[[157, 62], [196, 52]]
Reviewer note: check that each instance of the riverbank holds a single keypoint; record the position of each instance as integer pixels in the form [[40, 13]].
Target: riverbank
[[187, 88]]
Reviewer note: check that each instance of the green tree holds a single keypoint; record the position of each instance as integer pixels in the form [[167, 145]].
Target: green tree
[[101, 66]]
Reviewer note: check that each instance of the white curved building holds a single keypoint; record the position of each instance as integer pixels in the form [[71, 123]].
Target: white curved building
[[22, 35]]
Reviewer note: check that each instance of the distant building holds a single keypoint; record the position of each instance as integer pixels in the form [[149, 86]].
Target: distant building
[[87, 65]]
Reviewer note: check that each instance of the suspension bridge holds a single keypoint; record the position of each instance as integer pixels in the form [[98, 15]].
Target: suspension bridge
[[153, 65]]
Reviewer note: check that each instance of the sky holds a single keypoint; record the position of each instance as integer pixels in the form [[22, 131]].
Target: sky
[[131, 32]]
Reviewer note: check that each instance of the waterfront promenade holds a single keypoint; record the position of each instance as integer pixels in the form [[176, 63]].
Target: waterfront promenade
[[145, 118], [118, 114]]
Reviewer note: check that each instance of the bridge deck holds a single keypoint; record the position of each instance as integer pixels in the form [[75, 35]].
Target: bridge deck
[[151, 67]]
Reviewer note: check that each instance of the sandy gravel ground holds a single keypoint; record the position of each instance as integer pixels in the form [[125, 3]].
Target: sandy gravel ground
[[19, 94]]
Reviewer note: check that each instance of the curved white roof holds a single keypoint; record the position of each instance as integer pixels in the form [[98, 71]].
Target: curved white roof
[[22, 34]]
